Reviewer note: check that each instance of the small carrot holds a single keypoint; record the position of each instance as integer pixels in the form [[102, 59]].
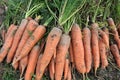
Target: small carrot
[[87, 48], [103, 55], [23, 63], [115, 52], [9, 29], [3, 34], [33, 57], [95, 46], [78, 49], [106, 31], [69, 76], [66, 68], [71, 53], [51, 44], [31, 26], [16, 40], [8, 42]]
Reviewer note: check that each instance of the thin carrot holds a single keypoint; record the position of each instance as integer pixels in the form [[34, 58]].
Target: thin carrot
[[32, 40], [3, 34], [66, 68], [16, 40], [103, 55], [95, 46], [78, 49], [8, 42], [51, 43], [71, 53], [31, 26], [87, 48], [106, 31], [69, 76], [22, 65], [62, 50], [33, 57], [115, 52]]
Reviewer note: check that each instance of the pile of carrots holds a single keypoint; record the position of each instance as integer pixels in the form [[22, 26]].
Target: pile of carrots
[[25, 47]]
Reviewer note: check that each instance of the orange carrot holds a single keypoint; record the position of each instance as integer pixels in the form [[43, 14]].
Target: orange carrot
[[95, 46], [31, 26], [9, 29], [8, 42], [16, 40], [62, 50], [87, 48], [106, 31], [3, 33], [103, 55], [71, 53], [51, 43], [66, 68], [115, 52], [32, 40], [78, 49], [33, 57], [69, 76], [22, 65]]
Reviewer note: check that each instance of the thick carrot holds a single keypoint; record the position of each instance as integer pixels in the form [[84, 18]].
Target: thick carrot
[[8, 42], [33, 57], [115, 52], [78, 49], [31, 26], [103, 55], [105, 38], [16, 40], [32, 40], [51, 67], [95, 46], [9, 29], [62, 50], [87, 48], [66, 68], [51, 43], [69, 76], [23, 63]]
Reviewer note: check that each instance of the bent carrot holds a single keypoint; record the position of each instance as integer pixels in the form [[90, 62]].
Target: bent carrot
[[87, 48], [95, 46], [66, 68], [16, 40], [8, 42], [32, 40], [31, 26], [62, 50], [78, 49], [33, 57], [51, 43], [115, 52], [103, 55]]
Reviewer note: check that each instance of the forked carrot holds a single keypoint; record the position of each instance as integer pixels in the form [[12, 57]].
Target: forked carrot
[[8, 42], [16, 40], [51, 44]]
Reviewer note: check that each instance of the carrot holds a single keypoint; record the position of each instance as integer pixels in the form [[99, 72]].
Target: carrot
[[31, 26], [32, 40], [66, 68], [106, 31], [103, 56], [22, 65], [95, 46], [62, 50], [51, 43], [69, 76], [78, 49], [16, 40], [114, 31], [71, 53], [9, 29], [115, 52], [3, 33], [8, 42], [87, 48], [33, 57], [51, 67], [104, 38]]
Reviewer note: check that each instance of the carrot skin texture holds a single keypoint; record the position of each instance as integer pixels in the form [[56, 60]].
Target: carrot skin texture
[[16, 40], [8, 42], [51, 43], [33, 57], [31, 26], [66, 68], [87, 48], [115, 52], [103, 55], [78, 50], [32, 40], [62, 50]]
